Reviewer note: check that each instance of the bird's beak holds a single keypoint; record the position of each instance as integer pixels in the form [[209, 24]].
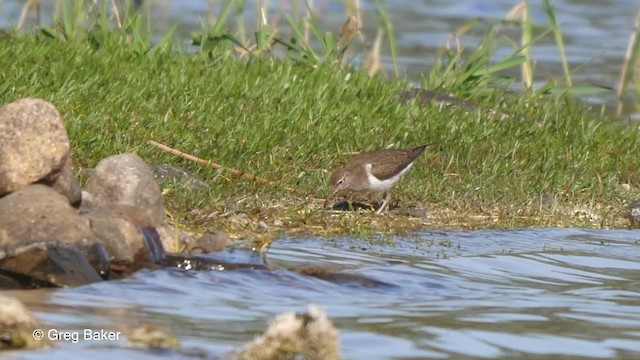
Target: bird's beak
[[326, 201]]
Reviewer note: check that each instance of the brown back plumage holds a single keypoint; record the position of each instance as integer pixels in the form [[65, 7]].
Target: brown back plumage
[[384, 165], [387, 163]]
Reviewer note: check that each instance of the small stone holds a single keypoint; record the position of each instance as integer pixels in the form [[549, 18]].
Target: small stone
[[175, 240], [241, 219], [126, 179], [33, 143], [211, 241], [584, 213], [633, 214], [68, 185], [262, 226], [278, 222]]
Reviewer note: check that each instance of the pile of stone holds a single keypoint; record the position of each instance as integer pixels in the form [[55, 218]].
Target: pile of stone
[[53, 233]]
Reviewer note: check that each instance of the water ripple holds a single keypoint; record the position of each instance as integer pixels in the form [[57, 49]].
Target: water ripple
[[442, 294]]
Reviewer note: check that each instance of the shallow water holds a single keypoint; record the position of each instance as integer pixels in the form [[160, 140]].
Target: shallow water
[[547, 293], [595, 32]]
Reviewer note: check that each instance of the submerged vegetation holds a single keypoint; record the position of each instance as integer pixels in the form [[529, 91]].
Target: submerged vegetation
[[284, 106]]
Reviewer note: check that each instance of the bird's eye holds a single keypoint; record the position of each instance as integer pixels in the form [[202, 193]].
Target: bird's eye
[[340, 181]]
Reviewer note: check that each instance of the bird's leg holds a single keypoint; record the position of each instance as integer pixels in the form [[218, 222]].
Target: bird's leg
[[385, 203]]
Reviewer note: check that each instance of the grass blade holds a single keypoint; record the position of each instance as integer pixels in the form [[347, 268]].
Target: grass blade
[[557, 34]]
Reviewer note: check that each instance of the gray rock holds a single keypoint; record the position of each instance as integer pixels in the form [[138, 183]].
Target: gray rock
[[68, 185], [211, 241], [262, 226], [33, 143], [120, 236], [49, 264], [38, 213], [127, 179], [126, 234], [174, 240]]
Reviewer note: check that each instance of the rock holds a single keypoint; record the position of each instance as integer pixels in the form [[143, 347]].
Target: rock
[[17, 326], [262, 226], [241, 219], [152, 336], [309, 336], [97, 256], [55, 263], [633, 214], [182, 176], [33, 143], [8, 282], [88, 201], [126, 179], [68, 185], [584, 213], [119, 233], [38, 213], [174, 240], [211, 241]]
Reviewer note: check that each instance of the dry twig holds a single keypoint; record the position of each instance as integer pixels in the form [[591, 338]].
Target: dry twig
[[210, 163]]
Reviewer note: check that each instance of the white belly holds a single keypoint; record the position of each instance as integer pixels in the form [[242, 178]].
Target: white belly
[[384, 185]]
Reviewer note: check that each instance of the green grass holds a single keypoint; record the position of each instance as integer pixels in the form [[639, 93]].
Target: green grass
[[289, 121]]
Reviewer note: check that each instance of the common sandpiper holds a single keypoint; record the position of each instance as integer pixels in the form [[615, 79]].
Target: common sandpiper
[[376, 171]]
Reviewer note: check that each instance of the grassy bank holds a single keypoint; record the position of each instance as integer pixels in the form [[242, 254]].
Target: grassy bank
[[547, 161]]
